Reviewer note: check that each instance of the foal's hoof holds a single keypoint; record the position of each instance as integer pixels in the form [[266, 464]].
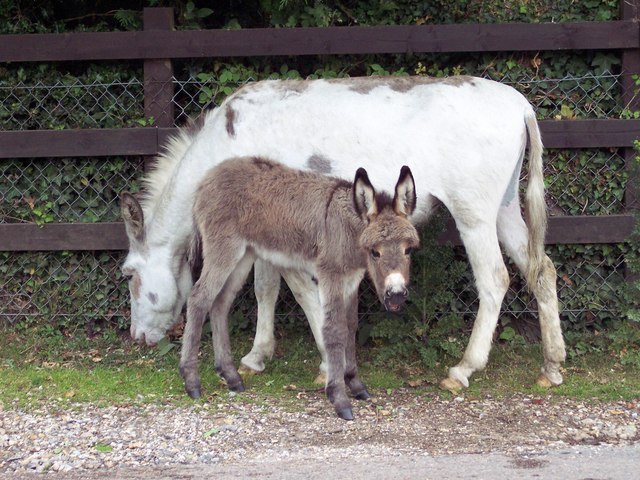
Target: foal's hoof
[[452, 385], [193, 392], [362, 395], [345, 413], [237, 387]]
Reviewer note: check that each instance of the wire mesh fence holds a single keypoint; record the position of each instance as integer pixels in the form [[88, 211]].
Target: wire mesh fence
[[74, 104], [70, 103], [579, 182], [75, 289], [84, 287], [585, 182], [65, 190], [79, 286]]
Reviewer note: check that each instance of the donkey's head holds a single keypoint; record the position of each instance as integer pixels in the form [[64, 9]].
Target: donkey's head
[[389, 237], [159, 278]]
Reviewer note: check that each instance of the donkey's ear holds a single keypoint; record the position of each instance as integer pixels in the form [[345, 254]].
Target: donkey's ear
[[364, 196], [132, 216], [404, 202]]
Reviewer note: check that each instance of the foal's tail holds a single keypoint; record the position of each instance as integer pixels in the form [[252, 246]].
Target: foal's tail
[[535, 206], [194, 255]]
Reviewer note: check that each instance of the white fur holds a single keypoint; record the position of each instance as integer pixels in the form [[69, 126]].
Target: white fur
[[284, 262], [462, 140], [394, 283]]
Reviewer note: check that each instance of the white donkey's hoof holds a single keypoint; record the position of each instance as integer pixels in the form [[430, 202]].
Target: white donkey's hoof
[[251, 364], [321, 379], [456, 380], [451, 384], [245, 370], [548, 381]]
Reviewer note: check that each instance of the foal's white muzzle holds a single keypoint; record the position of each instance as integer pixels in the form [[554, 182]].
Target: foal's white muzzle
[[395, 292]]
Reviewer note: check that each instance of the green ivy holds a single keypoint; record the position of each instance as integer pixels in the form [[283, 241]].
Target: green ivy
[[57, 97], [65, 290], [586, 182], [65, 190]]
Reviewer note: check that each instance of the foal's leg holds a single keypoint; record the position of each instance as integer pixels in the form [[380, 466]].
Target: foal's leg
[[513, 234], [198, 305], [334, 334], [215, 272], [219, 316], [351, 378], [492, 281], [266, 281], [305, 291]]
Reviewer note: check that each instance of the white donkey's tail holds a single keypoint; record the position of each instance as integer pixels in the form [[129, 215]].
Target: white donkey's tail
[[535, 206]]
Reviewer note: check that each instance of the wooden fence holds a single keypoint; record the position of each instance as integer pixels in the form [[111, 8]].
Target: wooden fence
[[158, 44]]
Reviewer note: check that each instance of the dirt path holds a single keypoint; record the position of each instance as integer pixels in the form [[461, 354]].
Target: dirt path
[[399, 433]]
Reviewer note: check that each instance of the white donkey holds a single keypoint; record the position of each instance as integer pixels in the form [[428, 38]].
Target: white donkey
[[464, 139]]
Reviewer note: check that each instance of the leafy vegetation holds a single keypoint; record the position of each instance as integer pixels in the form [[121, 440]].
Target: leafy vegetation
[[75, 15]]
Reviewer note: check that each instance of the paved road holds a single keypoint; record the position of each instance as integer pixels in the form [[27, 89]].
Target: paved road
[[580, 463]]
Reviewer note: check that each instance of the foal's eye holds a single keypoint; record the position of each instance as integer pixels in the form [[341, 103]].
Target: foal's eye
[[375, 254], [409, 250]]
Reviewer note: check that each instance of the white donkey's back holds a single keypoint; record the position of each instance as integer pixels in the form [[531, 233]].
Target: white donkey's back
[[453, 133]]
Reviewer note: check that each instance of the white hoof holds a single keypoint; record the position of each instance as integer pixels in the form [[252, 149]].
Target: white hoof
[[549, 377], [451, 384], [252, 362], [247, 371], [321, 379]]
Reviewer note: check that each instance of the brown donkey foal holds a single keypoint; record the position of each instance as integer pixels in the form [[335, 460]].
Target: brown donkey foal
[[248, 208]]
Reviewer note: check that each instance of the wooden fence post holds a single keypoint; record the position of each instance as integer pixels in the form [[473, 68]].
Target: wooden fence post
[[630, 10], [158, 76]]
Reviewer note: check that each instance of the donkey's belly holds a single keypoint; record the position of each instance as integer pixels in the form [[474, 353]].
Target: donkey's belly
[[286, 261]]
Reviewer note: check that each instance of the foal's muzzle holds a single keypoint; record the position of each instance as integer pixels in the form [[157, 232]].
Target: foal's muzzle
[[394, 301]]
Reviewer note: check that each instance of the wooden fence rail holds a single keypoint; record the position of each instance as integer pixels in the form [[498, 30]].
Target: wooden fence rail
[[158, 44], [150, 44]]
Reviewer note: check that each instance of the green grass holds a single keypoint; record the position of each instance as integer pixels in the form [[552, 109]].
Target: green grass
[[36, 370], [596, 376]]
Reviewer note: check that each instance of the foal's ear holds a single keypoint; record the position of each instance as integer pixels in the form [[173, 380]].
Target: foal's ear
[[364, 196], [404, 202], [132, 216]]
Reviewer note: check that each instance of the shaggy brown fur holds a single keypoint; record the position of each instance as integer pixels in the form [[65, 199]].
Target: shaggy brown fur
[[333, 230]]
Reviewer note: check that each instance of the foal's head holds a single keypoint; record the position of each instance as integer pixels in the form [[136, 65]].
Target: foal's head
[[389, 237]]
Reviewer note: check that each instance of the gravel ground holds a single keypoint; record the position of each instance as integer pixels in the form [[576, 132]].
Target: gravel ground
[[82, 440]]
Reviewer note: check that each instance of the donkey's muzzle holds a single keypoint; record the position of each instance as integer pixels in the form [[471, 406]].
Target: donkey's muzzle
[[141, 339], [394, 301]]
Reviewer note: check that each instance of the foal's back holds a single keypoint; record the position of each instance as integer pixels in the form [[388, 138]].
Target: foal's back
[[273, 206]]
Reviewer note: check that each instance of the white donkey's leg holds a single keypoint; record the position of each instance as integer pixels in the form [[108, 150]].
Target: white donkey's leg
[[513, 234], [266, 287], [305, 291], [492, 281]]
